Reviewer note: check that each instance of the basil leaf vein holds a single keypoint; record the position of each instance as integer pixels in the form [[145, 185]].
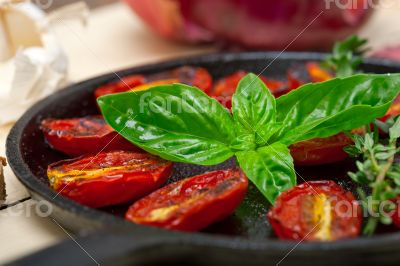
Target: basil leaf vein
[[270, 168], [327, 108], [253, 105], [176, 122]]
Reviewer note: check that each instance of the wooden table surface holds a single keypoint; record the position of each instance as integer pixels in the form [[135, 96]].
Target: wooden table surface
[[114, 39]]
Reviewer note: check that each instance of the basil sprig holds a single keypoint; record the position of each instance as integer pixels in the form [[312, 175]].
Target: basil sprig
[[182, 124], [346, 56]]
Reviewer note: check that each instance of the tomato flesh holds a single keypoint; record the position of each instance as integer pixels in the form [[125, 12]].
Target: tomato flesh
[[109, 178], [320, 151], [193, 203], [194, 76], [316, 73], [79, 136], [316, 210]]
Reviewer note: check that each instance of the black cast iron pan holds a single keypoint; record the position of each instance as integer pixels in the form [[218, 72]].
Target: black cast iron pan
[[243, 238]]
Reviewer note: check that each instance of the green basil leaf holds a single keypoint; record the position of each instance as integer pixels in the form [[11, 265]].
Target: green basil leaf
[[270, 168], [253, 105], [394, 131], [176, 122], [327, 108]]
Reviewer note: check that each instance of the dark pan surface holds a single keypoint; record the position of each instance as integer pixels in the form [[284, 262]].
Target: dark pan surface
[[29, 156]]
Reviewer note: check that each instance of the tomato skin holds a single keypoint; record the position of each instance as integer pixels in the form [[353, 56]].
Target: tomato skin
[[109, 178], [320, 151], [194, 76], [79, 136], [293, 80], [316, 210], [193, 203], [396, 213], [123, 85]]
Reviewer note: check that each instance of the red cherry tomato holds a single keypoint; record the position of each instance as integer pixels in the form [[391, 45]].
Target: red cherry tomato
[[396, 214], [317, 210], [394, 109], [109, 178], [78, 136], [123, 85], [320, 150], [194, 76], [192, 203], [277, 87], [226, 87], [293, 80]]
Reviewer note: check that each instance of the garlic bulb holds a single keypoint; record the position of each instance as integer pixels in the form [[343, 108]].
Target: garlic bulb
[[32, 63]]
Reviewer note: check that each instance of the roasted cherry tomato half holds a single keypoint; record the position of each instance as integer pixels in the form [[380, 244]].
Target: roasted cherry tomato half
[[394, 109], [226, 87], [316, 210], [192, 203], [79, 136], [155, 83], [194, 76], [320, 150], [123, 85], [277, 87], [293, 80], [109, 178], [316, 73], [396, 214]]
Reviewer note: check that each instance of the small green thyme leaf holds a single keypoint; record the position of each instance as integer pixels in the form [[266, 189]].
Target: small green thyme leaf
[[377, 170]]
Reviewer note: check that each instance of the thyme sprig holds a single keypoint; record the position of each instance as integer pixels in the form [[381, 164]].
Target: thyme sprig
[[378, 171]]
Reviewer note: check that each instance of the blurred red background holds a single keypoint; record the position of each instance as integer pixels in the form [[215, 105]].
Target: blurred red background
[[254, 24]]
